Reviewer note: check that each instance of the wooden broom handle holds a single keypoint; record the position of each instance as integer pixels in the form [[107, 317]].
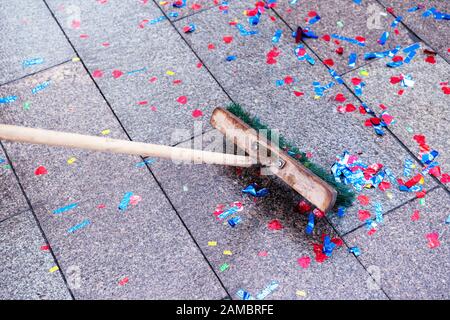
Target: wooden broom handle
[[74, 140]]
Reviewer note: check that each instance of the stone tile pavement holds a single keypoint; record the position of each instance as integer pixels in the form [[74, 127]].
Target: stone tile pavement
[[128, 70]]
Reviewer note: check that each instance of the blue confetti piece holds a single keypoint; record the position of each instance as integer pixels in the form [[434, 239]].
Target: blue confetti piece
[[65, 208], [328, 246], [145, 162], [231, 58], [396, 22], [355, 251], [244, 295], [336, 77], [228, 213], [125, 201], [32, 62], [407, 166], [245, 32], [378, 212], [137, 71], [79, 226], [177, 4], [276, 37], [352, 60], [415, 8], [358, 2], [383, 54], [268, 290], [40, 87], [251, 190], [320, 90], [156, 20], [173, 14], [384, 37], [233, 222], [351, 40], [310, 225], [314, 20], [9, 99], [448, 220], [341, 212]]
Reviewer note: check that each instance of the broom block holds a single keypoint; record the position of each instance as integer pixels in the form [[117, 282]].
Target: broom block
[[297, 176], [74, 140]]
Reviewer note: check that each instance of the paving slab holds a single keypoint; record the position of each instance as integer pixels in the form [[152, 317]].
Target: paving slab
[[25, 272], [347, 19], [11, 197], [399, 255], [163, 87], [140, 252], [256, 255], [312, 124], [421, 109], [29, 32], [431, 30]]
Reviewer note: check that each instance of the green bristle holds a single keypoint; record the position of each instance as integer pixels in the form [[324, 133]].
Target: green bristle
[[345, 195]]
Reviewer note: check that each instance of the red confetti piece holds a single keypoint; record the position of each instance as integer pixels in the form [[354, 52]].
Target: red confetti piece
[[84, 36], [117, 74], [197, 113], [318, 213], [304, 262], [340, 97], [227, 39], [446, 90], [433, 240], [421, 194], [288, 80], [371, 231], [329, 62], [262, 253], [275, 225], [45, 248], [363, 215], [326, 37], [363, 200], [199, 65], [356, 81], [415, 216], [304, 207], [97, 73], [182, 100], [153, 79], [101, 206], [430, 59], [211, 46], [340, 50], [41, 170], [143, 103], [196, 6], [177, 81], [384, 185], [298, 93], [124, 281], [397, 58]]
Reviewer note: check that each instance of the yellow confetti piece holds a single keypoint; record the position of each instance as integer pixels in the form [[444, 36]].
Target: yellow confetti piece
[[75, 59], [364, 73], [106, 132], [316, 97], [53, 269], [422, 180], [170, 73], [300, 293], [71, 160], [212, 243], [163, 3], [227, 252], [389, 195]]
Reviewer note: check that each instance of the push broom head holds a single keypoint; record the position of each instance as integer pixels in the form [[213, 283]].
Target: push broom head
[[313, 182]]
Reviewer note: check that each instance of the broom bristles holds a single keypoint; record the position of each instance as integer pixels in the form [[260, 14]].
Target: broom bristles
[[345, 195]]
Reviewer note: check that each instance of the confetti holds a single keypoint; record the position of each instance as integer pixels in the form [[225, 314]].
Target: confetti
[[65, 208], [40, 87], [79, 226], [9, 99], [53, 269], [123, 205], [274, 225], [212, 243], [41, 170]]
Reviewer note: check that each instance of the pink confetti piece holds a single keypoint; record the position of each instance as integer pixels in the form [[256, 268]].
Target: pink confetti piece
[[124, 281], [433, 240], [97, 73], [197, 113], [363, 215], [304, 262], [415, 216], [182, 99], [117, 74], [363, 200]]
